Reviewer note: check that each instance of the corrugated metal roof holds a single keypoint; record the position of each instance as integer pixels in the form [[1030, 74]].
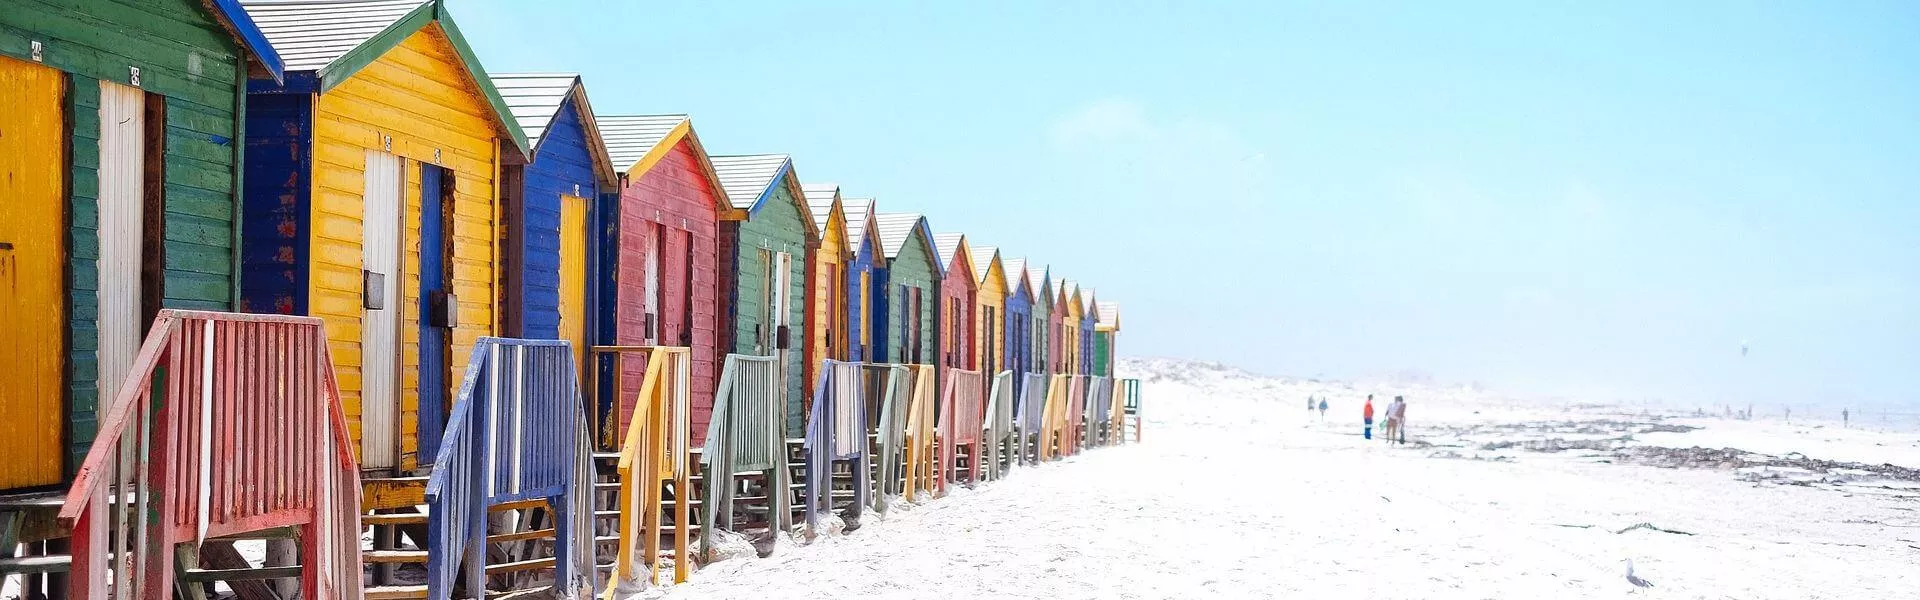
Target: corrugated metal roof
[[309, 34], [746, 177], [820, 197], [895, 229], [1016, 269], [948, 245], [534, 98], [857, 209], [630, 138], [983, 261], [1109, 313]]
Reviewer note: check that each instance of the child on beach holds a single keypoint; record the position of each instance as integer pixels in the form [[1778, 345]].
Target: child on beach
[[1323, 409]]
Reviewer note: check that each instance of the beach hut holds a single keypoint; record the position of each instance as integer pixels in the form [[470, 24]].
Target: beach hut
[[666, 219], [1019, 329], [866, 296], [119, 173], [990, 320], [1045, 352], [827, 299], [371, 203], [1059, 337], [956, 305], [551, 240], [907, 286], [1106, 333], [1070, 355], [1089, 314], [767, 253]]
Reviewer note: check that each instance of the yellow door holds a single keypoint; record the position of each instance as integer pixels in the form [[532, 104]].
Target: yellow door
[[32, 142], [573, 276]]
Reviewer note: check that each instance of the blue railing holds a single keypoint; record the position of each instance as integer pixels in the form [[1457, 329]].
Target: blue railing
[[516, 433], [836, 431], [1031, 415]]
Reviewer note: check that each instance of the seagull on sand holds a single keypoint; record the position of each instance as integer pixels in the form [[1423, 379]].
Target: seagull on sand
[[1635, 579]]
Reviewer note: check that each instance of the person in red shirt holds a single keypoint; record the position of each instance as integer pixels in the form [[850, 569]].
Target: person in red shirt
[[1366, 417]]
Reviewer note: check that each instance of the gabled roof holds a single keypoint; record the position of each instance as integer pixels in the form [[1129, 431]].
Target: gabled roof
[[983, 259], [337, 38], [859, 215], [1017, 279], [953, 253], [1069, 293], [896, 228], [823, 199], [635, 143], [534, 100], [750, 179], [1108, 316], [1088, 306], [240, 25], [1038, 278]]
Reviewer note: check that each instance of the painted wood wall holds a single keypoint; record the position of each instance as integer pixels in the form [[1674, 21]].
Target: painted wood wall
[[828, 302], [674, 196], [1103, 352], [912, 268], [1070, 332], [562, 166], [1019, 330], [420, 95], [957, 312], [866, 300], [185, 56], [776, 225], [991, 299], [1085, 355], [1043, 336]]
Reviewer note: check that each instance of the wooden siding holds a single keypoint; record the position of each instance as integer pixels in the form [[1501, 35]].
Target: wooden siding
[[1103, 353], [187, 57], [32, 223], [420, 95], [827, 301], [1043, 336], [1019, 330], [912, 268], [1069, 332], [673, 195], [777, 224], [957, 310], [990, 338], [562, 166], [866, 335]]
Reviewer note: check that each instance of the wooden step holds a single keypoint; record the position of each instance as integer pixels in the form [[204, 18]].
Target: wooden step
[[393, 519], [395, 592], [394, 556], [520, 536], [35, 564], [538, 592], [206, 575], [519, 505], [393, 492], [33, 501], [523, 565]]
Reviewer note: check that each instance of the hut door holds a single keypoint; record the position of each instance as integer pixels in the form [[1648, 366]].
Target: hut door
[[651, 317], [782, 307], [122, 201], [573, 276], [32, 233], [380, 312], [439, 309]]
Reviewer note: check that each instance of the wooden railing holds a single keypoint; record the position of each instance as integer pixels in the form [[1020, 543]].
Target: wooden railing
[[998, 425], [1031, 420], [247, 434], [960, 420], [1099, 410], [747, 434], [653, 451], [1130, 401], [516, 433], [836, 431], [1076, 414], [919, 433], [1057, 423], [888, 387]]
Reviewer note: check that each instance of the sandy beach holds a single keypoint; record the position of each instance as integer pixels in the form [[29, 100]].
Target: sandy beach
[[1238, 492]]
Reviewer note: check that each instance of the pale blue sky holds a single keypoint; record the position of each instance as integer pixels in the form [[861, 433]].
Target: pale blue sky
[[1593, 199]]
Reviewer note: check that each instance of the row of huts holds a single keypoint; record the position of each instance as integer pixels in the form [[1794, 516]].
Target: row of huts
[[350, 164]]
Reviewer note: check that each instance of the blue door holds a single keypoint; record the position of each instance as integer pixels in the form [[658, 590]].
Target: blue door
[[437, 306]]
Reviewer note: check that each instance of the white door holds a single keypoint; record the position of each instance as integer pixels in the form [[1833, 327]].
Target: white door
[[651, 319], [122, 192], [782, 311], [380, 320]]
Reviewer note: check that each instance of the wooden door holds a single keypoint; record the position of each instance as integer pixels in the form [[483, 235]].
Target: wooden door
[[655, 246], [122, 198], [32, 248], [381, 201], [438, 307], [573, 276], [781, 325]]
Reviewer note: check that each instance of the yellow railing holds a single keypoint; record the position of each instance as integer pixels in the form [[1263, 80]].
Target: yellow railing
[[920, 431], [653, 450]]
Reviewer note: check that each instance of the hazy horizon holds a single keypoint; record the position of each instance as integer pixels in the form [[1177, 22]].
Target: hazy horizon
[[1597, 200]]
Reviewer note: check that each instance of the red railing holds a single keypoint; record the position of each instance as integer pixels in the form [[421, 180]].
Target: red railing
[[960, 420], [247, 434]]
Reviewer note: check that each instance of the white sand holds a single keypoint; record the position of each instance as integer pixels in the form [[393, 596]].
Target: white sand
[[1238, 494]]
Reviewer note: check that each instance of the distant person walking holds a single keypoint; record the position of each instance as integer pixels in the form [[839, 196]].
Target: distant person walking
[[1309, 406], [1846, 418], [1366, 419], [1323, 409], [1398, 413]]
